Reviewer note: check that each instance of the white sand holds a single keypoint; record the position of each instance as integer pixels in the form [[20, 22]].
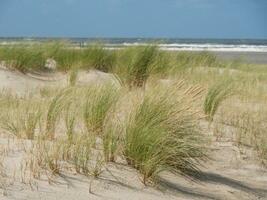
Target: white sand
[[229, 174]]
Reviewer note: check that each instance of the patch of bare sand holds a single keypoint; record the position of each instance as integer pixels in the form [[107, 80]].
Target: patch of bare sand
[[20, 83], [227, 175]]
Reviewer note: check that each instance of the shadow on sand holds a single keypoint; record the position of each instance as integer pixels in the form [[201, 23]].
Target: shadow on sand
[[212, 178]]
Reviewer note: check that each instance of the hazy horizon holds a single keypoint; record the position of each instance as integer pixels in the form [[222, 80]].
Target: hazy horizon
[[148, 38]]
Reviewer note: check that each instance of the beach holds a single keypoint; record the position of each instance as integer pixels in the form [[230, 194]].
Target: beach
[[133, 100], [131, 123]]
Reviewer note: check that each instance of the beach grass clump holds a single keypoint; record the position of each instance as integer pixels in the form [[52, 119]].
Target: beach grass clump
[[55, 108], [50, 49], [25, 58], [10, 123], [83, 156], [30, 118], [112, 137], [45, 157], [67, 58], [161, 64], [136, 65], [217, 93], [8, 103], [63, 53], [22, 118], [99, 100], [99, 58], [79, 152], [52, 157], [160, 132], [70, 118]]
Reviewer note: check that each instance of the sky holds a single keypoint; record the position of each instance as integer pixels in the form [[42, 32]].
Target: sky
[[134, 18]]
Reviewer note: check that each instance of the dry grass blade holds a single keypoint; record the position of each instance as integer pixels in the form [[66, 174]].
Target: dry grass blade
[[99, 100], [216, 94], [56, 106], [160, 133]]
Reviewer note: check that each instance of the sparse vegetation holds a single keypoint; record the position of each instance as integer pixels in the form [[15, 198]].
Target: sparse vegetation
[[145, 116], [24, 59], [58, 103], [99, 100], [216, 94], [136, 65], [162, 133], [99, 58], [21, 118]]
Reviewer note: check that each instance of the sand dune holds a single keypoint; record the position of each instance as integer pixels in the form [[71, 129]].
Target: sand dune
[[228, 174]]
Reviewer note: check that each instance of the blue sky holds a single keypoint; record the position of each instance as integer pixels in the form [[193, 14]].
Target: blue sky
[[134, 18]]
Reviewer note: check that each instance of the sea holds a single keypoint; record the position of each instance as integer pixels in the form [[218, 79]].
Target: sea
[[174, 44]]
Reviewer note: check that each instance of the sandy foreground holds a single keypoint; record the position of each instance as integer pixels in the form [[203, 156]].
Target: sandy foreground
[[229, 174]]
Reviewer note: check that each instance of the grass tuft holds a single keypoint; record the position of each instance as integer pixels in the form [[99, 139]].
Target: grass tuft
[[217, 93], [99, 58], [56, 106], [99, 100], [136, 65], [160, 132]]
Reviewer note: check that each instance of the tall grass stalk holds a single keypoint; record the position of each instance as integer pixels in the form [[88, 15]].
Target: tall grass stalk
[[70, 119], [55, 108], [136, 65], [99, 100], [73, 75], [21, 119], [80, 153], [99, 58], [24, 59], [112, 139], [215, 96], [66, 58]]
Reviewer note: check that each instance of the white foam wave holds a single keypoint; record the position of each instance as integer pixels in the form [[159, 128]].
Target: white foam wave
[[207, 47], [180, 46]]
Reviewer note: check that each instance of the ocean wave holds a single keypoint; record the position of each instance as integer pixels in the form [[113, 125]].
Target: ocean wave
[[207, 47], [171, 46]]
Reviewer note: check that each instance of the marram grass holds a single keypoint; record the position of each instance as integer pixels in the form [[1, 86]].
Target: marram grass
[[56, 106], [21, 118], [152, 127], [99, 58], [217, 93], [99, 100], [160, 133], [136, 65]]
